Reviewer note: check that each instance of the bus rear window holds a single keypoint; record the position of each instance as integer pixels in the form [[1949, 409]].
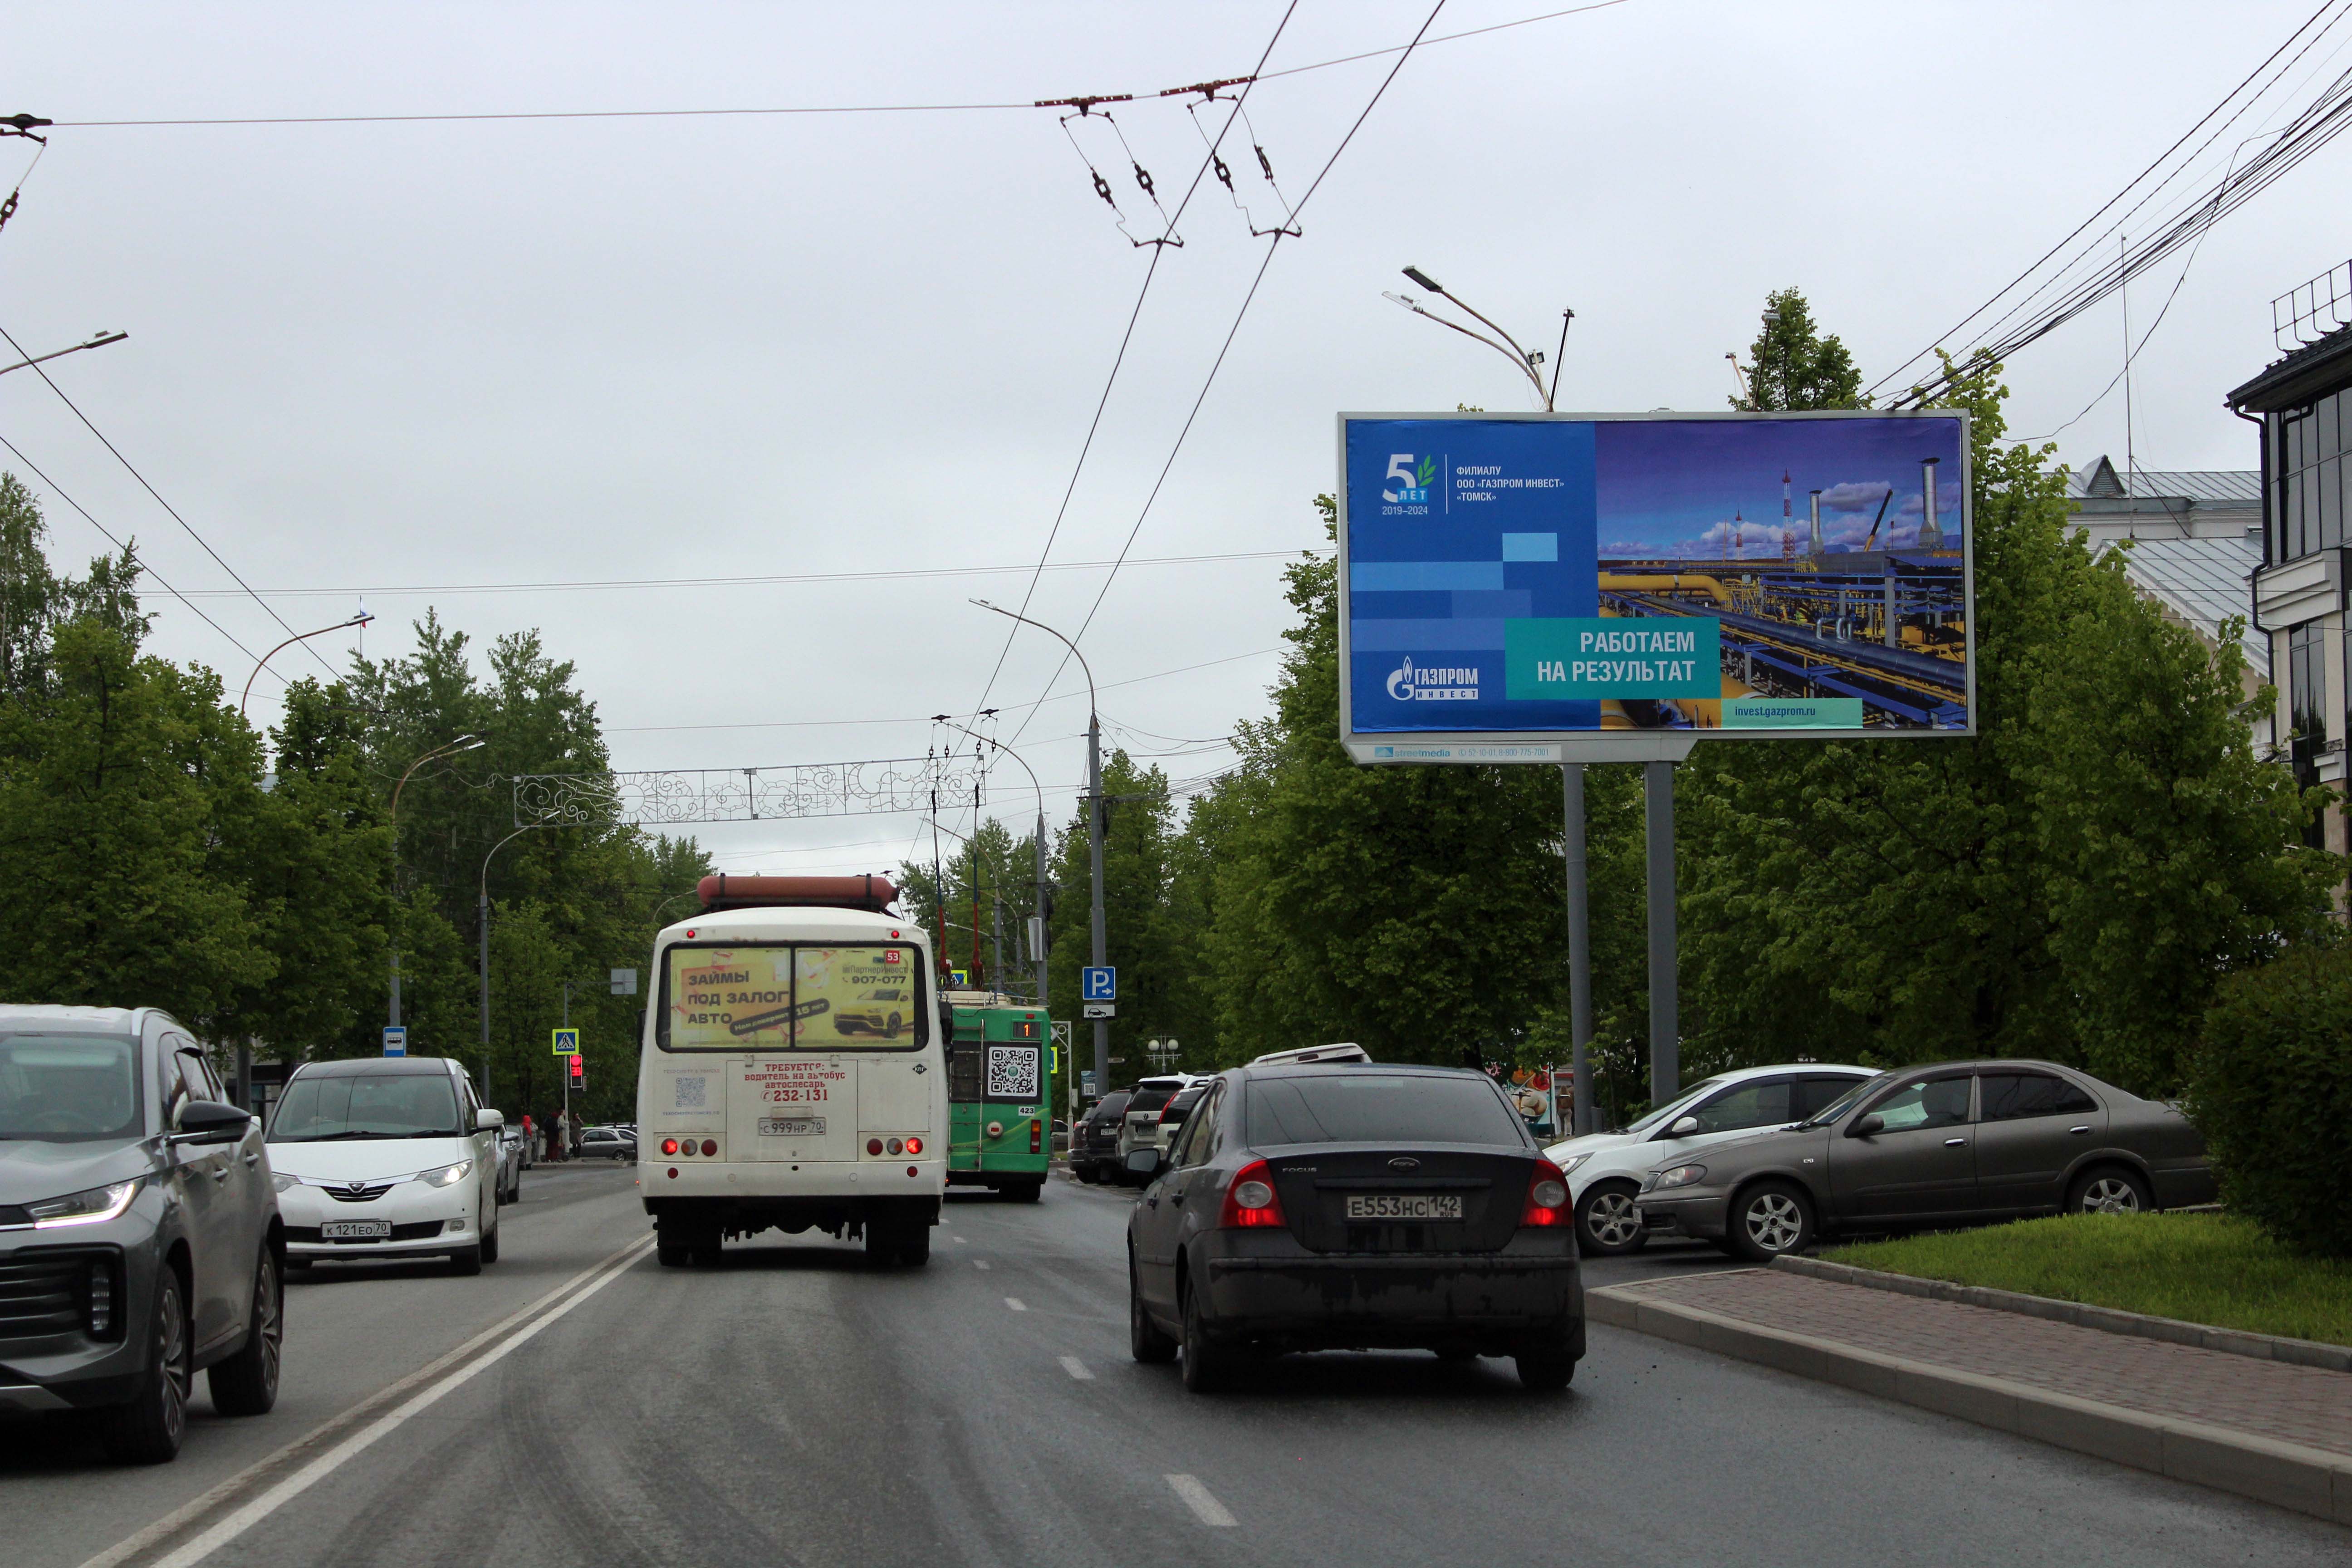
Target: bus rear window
[[793, 997], [1349, 1105]]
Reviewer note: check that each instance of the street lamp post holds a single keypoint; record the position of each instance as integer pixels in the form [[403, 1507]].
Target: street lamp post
[[482, 914], [97, 340], [1037, 941], [363, 618], [1526, 361], [450, 749], [1093, 828]]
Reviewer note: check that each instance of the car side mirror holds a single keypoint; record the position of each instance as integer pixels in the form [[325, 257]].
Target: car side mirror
[[210, 1121], [488, 1120], [1146, 1161], [1684, 1127], [1868, 1125]]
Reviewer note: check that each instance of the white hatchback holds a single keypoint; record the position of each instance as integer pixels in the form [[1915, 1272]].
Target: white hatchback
[[386, 1157], [1605, 1169]]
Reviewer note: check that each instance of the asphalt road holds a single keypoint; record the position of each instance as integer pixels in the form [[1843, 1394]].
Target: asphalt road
[[796, 1406]]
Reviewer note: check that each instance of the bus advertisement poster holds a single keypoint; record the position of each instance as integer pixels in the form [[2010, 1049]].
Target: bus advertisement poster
[[1550, 588]]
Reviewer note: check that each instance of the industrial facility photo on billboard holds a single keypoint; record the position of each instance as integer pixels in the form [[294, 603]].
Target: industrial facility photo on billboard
[[1565, 576]]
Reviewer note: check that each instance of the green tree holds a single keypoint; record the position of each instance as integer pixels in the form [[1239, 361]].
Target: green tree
[[1792, 366]]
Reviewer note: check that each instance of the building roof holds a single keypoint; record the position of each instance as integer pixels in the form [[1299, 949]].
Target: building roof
[[2204, 581], [2207, 487], [2292, 380]]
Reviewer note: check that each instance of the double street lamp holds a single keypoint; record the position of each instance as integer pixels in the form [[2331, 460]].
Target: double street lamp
[[1037, 919], [1528, 361], [447, 749]]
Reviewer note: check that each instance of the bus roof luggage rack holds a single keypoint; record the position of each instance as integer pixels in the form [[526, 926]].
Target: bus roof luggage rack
[[868, 892], [1344, 1051]]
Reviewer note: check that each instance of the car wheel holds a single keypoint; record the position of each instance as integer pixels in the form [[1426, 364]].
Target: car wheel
[[1025, 1191], [147, 1431], [465, 1261], [1769, 1219], [1545, 1364], [1206, 1365], [247, 1383], [1085, 1174], [2110, 1189], [1145, 1341], [490, 1239], [1608, 1221]]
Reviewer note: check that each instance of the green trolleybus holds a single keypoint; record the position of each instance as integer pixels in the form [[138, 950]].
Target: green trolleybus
[[998, 1119]]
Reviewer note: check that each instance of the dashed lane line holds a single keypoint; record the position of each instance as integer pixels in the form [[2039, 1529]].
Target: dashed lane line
[[1077, 1369], [1201, 1501], [1016, 1303], [980, 1264]]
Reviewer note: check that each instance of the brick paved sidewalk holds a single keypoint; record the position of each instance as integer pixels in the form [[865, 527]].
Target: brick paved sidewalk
[[2310, 1406]]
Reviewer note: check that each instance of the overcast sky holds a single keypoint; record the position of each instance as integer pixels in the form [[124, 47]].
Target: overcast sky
[[379, 359]]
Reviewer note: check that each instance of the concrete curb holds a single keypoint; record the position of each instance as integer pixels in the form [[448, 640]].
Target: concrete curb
[[2285, 1475], [2111, 1319]]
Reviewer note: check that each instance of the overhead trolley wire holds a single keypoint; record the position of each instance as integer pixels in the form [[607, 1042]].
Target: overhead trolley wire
[[808, 109], [1272, 245], [167, 506]]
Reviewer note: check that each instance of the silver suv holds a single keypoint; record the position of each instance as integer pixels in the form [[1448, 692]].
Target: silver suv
[[1144, 1125], [139, 1230]]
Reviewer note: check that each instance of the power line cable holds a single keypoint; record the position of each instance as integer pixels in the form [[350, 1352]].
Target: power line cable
[[167, 506], [1272, 245], [143, 566]]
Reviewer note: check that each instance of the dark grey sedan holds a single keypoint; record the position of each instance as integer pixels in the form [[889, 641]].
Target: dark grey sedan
[[1353, 1206], [1953, 1143], [139, 1238]]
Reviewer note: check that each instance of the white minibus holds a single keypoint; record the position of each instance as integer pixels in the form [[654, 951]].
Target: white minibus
[[792, 1071]]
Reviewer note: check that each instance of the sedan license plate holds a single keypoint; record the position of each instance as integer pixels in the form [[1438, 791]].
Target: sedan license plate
[[1405, 1205], [355, 1230], [792, 1126]]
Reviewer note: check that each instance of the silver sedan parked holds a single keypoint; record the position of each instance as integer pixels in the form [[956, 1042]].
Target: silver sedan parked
[[1952, 1143]]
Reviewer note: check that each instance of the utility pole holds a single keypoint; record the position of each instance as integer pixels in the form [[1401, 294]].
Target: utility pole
[[1094, 831]]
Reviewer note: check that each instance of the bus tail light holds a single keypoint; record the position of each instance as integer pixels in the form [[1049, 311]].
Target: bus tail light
[[1036, 1135], [669, 1146], [914, 1145], [711, 1145], [874, 1145], [1251, 1201], [1546, 1195]]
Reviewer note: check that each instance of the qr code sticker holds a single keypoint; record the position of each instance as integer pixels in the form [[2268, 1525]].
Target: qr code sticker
[[693, 1093], [1013, 1072]]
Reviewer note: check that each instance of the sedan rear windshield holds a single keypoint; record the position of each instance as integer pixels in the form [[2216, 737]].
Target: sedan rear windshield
[[347, 1106], [1348, 1105], [1151, 1098], [68, 1088]]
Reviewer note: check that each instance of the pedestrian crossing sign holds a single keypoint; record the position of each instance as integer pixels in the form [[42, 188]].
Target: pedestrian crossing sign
[[567, 1042]]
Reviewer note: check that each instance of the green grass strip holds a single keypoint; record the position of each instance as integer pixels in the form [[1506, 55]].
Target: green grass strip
[[2209, 1269]]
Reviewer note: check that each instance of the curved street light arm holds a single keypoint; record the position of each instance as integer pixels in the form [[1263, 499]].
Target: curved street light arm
[[1057, 636], [363, 618], [1518, 359]]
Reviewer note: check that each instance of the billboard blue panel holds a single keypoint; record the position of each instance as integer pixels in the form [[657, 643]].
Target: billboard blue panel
[[1575, 576]]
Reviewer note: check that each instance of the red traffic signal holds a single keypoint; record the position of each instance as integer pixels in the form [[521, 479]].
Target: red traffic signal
[[577, 1071]]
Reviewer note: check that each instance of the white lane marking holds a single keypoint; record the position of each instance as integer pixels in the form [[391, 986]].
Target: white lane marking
[[1077, 1369], [334, 1427], [320, 1469], [958, 1239], [1016, 1303], [979, 1263], [1201, 1501]]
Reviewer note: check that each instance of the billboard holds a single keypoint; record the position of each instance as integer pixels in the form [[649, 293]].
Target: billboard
[[1562, 587]]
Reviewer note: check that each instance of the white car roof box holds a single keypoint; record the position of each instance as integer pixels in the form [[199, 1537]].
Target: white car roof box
[[1344, 1051]]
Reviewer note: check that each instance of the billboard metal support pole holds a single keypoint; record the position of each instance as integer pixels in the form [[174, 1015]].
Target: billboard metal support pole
[[1580, 951], [1666, 1034]]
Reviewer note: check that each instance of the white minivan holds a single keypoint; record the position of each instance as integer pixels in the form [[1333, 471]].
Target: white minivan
[[792, 1071], [386, 1157], [1605, 1169]]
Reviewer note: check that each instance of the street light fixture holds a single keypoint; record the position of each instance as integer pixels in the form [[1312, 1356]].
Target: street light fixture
[[1094, 825], [447, 749], [1038, 942], [482, 914], [363, 618], [1527, 360], [97, 340]]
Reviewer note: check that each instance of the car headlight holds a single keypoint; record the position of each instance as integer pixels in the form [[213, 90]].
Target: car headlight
[[1675, 1176], [1568, 1166], [283, 1182], [90, 1207], [448, 1176]]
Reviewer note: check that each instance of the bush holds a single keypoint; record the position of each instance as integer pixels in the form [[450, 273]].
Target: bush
[[2272, 1090]]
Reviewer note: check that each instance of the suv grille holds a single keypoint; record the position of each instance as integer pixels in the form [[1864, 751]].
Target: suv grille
[[42, 1295]]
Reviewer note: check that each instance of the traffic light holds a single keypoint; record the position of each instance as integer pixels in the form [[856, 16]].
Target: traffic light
[[579, 1071]]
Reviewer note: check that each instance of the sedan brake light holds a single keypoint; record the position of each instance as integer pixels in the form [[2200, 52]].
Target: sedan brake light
[[1251, 1201], [1546, 1195]]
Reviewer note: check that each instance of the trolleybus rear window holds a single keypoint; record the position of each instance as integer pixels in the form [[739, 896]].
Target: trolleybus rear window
[[793, 997]]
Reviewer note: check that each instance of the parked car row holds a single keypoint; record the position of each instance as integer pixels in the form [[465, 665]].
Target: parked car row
[[147, 1225]]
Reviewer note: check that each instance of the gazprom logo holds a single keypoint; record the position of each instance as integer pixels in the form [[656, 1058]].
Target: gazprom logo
[[1411, 480], [1413, 683]]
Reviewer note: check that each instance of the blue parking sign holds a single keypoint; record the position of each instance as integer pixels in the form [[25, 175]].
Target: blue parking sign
[[1098, 983]]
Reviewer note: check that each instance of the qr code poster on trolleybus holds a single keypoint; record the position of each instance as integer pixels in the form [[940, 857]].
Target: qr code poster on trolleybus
[[1013, 1072], [1550, 584]]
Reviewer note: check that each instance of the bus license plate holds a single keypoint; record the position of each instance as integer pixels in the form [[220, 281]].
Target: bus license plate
[[355, 1230], [1406, 1205], [792, 1126]]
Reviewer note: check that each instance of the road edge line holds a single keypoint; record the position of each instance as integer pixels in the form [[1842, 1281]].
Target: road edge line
[[259, 1474], [2311, 1481]]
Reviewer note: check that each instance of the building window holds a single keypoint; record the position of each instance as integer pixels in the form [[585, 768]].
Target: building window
[[2307, 695], [2311, 483]]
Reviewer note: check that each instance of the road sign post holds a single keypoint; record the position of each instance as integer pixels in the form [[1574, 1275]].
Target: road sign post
[[396, 1040], [1098, 983]]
